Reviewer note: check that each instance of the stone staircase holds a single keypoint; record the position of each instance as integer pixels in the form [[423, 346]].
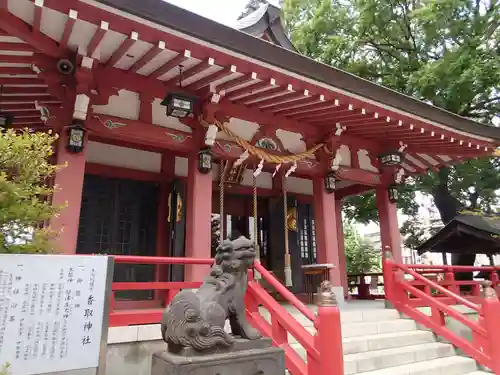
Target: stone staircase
[[380, 342]]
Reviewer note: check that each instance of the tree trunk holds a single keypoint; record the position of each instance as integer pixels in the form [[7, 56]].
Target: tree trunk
[[449, 207]]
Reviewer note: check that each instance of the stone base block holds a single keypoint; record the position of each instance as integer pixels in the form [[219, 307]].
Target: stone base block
[[245, 357]]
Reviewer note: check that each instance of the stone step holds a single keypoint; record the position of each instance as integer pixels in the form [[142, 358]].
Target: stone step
[[377, 327], [382, 341], [389, 358], [454, 365]]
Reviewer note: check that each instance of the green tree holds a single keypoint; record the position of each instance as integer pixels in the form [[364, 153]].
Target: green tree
[[361, 256], [444, 52], [25, 172]]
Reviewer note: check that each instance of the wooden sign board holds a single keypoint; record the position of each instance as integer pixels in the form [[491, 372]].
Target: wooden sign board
[[54, 312]]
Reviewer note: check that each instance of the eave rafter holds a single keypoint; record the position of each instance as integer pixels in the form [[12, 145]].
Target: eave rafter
[[256, 90]]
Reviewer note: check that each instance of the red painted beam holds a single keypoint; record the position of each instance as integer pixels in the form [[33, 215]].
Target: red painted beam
[[141, 133], [21, 81], [247, 78], [359, 176], [261, 95], [148, 56], [15, 46], [171, 64], [357, 189], [212, 77], [27, 99], [13, 59], [23, 114], [198, 68], [296, 108], [68, 29], [35, 41], [295, 105], [24, 90], [122, 173], [27, 120], [287, 97], [14, 70], [123, 49], [320, 113], [97, 38], [18, 107], [250, 89]]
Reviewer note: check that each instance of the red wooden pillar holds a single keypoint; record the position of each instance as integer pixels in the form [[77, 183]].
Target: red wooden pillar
[[326, 232], [162, 243], [198, 211], [69, 187], [389, 228], [340, 239]]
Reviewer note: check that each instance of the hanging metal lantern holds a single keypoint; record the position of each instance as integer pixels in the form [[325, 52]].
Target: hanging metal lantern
[[76, 138], [330, 182], [392, 158], [393, 192], [205, 161], [179, 105]]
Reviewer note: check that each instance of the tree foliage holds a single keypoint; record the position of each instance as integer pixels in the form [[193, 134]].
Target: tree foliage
[[446, 53], [361, 256], [25, 172]]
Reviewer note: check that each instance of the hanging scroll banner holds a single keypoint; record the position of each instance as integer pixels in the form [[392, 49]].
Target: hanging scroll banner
[[54, 312]]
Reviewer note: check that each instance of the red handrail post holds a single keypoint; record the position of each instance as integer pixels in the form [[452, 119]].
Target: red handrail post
[[491, 313], [449, 278], [329, 333]]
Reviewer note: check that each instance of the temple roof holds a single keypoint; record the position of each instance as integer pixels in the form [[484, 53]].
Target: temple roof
[[181, 20], [466, 234], [263, 20]]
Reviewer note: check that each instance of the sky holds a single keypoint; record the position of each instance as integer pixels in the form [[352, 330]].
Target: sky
[[222, 11]]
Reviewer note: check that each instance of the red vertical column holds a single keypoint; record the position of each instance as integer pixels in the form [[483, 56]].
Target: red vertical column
[[389, 228], [340, 239], [198, 211], [326, 232], [69, 187]]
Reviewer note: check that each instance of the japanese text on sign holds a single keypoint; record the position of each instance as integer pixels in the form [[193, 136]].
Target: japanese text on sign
[[51, 312]]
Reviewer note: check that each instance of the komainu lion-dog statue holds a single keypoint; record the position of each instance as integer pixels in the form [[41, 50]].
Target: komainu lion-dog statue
[[197, 319]]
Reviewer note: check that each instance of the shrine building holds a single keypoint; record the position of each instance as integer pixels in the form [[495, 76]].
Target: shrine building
[[167, 119]]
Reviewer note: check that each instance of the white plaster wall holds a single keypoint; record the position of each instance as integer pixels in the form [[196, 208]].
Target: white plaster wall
[[181, 166], [125, 105], [118, 156], [264, 179], [300, 185]]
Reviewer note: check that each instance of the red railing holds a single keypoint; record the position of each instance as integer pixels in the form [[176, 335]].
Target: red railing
[[485, 347], [148, 315], [324, 349]]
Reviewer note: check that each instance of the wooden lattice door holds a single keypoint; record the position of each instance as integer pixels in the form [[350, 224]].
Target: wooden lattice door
[[119, 217]]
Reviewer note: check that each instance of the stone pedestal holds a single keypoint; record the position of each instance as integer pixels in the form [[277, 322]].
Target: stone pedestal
[[245, 357]]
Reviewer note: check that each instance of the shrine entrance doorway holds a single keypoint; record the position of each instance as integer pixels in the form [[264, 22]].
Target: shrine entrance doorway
[[119, 217]]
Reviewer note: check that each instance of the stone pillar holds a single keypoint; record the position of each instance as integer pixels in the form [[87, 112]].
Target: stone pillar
[[69, 187], [198, 227], [390, 236], [326, 233], [340, 239]]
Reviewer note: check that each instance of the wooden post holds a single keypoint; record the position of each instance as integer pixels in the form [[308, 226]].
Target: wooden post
[[491, 313], [389, 227], [198, 226], [329, 336], [326, 231], [69, 188]]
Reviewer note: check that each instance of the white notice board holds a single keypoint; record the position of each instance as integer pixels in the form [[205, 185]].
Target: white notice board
[[53, 311]]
